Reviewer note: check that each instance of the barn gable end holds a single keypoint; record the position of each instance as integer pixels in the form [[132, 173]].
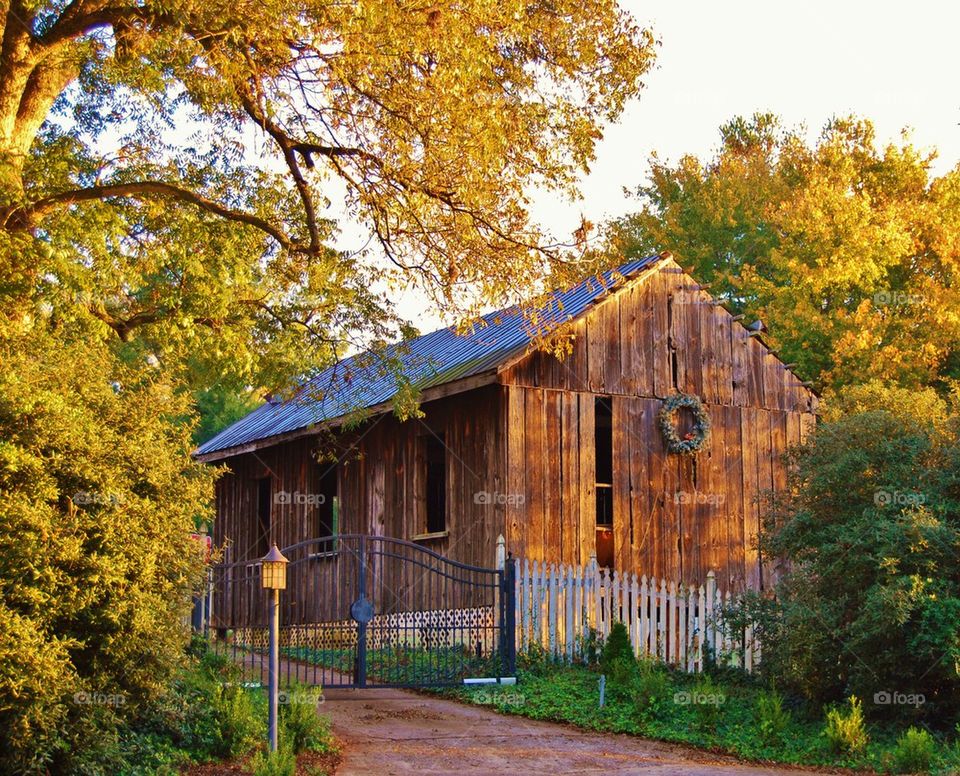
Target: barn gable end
[[674, 516]]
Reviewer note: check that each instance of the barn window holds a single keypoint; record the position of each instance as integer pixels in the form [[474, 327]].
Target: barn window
[[603, 453], [261, 542], [327, 510], [436, 483]]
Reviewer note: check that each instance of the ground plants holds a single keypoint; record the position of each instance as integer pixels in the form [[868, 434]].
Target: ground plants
[[846, 730], [773, 719], [914, 753], [753, 722]]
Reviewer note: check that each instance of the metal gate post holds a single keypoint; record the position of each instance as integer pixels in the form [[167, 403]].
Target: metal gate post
[[274, 670], [361, 677], [509, 601]]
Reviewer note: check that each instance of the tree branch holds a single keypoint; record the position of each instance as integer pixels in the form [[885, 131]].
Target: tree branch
[[23, 216]]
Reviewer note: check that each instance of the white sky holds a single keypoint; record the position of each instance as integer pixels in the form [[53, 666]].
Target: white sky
[[894, 63]]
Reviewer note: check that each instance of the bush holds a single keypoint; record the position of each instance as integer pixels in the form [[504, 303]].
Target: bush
[[914, 752], [846, 732], [98, 496], [707, 699], [772, 719], [651, 687], [239, 723], [283, 762], [301, 726], [871, 601], [617, 660]]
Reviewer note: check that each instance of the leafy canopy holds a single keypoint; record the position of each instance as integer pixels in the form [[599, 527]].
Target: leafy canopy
[[176, 163], [847, 252]]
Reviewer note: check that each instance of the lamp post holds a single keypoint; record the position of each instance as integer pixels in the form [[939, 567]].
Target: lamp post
[[274, 578]]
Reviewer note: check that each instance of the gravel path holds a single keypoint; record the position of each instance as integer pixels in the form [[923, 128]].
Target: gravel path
[[398, 732]]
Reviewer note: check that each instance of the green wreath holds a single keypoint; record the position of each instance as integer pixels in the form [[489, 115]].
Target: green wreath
[[696, 440]]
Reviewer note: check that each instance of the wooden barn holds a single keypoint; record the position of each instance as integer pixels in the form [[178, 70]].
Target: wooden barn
[[567, 459]]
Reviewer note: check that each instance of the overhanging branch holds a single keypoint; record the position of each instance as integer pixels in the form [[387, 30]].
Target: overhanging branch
[[22, 216]]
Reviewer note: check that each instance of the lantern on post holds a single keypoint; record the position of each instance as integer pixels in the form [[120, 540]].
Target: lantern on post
[[274, 575], [274, 578]]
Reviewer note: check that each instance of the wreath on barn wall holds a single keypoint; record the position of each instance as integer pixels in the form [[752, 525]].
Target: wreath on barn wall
[[696, 440]]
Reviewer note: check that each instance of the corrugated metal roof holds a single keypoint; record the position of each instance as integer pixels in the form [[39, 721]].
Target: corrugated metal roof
[[432, 359]]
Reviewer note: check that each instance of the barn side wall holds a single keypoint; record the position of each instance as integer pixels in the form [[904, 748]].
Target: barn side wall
[[675, 517], [380, 471]]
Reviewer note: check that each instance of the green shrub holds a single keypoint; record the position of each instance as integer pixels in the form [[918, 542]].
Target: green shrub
[[881, 482], [98, 495], [772, 719], [591, 647], [240, 724], [914, 752], [707, 700], [283, 762], [651, 686], [617, 660], [301, 725], [846, 732]]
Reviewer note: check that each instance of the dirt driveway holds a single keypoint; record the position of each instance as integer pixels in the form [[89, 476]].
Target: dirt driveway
[[396, 732]]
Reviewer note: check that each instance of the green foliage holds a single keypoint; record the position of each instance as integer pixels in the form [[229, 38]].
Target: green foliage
[[283, 762], [773, 719], [707, 701], [871, 602], [303, 728], [617, 660], [98, 496], [239, 723], [568, 694], [914, 753], [650, 688], [846, 732], [846, 250]]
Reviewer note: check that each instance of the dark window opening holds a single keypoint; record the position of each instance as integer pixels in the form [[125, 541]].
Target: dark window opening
[[328, 510], [436, 458], [603, 454], [261, 544]]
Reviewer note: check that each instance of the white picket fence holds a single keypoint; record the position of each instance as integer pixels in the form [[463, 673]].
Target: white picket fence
[[557, 605]]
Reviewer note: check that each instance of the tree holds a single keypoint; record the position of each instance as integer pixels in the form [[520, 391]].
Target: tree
[[98, 496], [847, 252], [870, 601], [129, 192]]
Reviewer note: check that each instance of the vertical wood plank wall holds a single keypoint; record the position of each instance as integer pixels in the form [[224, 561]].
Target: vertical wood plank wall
[[674, 517], [380, 481]]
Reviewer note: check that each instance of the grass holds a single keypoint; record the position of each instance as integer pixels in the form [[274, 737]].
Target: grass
[[729, 714]]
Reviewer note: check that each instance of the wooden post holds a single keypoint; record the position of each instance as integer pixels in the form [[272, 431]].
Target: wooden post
[[501, 553], [710, 624]]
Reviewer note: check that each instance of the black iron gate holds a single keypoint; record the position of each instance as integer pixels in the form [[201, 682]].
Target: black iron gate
[[370, 611]]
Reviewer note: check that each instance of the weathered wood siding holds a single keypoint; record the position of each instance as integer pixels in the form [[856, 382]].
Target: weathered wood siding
[[380, 483], [674, 516]]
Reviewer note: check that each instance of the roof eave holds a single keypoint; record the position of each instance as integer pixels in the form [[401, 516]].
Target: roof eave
[[441, 391]]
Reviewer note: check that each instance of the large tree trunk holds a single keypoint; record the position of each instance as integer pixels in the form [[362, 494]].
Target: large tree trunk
[[33, 73]]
